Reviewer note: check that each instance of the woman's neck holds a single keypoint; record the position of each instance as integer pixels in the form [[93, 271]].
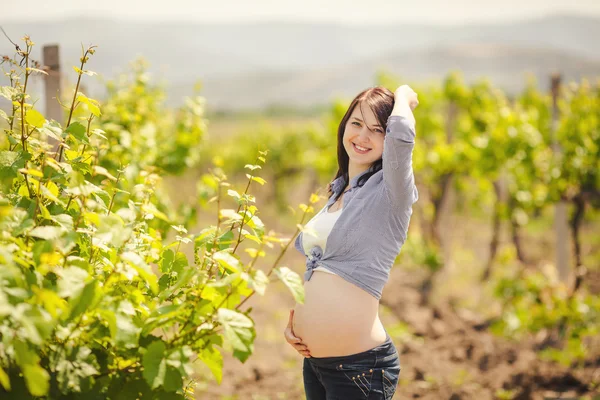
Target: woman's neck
[[354, 170]]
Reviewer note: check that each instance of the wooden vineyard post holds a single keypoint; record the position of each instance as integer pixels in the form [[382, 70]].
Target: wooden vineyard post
[[52, 87], [561, 223]]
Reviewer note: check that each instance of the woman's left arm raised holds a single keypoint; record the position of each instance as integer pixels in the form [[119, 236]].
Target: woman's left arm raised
[[397, 149]]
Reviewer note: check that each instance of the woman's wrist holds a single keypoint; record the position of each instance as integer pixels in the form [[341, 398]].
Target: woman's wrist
[[402, 109]]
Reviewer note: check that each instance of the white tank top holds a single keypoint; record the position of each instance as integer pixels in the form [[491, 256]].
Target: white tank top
[[322, 223]]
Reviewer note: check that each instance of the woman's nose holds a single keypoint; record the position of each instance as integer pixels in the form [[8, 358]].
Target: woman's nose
[[364, 133]]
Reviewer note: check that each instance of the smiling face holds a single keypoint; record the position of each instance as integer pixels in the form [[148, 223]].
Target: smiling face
[[363, 138]]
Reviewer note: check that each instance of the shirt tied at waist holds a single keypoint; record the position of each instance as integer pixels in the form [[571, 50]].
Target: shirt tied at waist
[[315, 254]]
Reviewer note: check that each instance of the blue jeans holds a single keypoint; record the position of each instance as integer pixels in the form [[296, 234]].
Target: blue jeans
[[371, 374]]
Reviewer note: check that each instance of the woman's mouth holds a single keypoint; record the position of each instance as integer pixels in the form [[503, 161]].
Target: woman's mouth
[[360, 149]]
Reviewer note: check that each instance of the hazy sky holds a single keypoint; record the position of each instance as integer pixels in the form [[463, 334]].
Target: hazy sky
[[344, 11]]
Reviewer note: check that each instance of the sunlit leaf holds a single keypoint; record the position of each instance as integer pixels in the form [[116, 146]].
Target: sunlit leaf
[[37, 380], [227, 260], [259, 282], [293, 281], [78, 131], [214, 360], [155, 367], [238, 329], [35, 118], [5, 380], [47, 232]]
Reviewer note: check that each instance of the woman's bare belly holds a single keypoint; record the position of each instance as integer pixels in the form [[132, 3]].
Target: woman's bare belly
[[337, 318]]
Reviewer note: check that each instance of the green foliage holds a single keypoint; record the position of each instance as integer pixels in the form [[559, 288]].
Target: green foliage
[[141, 131], [94, 302], [534, 302], [293, 151], [479, 137], [578, 136]]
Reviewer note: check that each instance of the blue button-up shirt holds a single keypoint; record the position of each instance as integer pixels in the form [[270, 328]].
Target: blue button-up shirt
[[367, 236]]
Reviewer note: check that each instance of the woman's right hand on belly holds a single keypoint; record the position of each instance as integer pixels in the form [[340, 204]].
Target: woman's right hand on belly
[[291, 338]]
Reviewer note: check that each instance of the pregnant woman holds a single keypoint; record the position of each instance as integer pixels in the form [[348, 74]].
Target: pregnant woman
[[359, 232]]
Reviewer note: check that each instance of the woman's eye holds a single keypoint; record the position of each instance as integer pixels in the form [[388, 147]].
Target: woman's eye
[[356, 123]]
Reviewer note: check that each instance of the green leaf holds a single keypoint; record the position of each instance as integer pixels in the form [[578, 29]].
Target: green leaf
[[112, 229], [8, 158], [154, 365], [238, 329], [173, 380], [74, 368], [173, 262], [128, 332], [4, 380], [35, 118], [233, 194], [163, 316], [78, 131], [47, 232], [37, 380], [161, 369], [6, 308], [52, 129], [152, 212], [24, 355], [17, 222], [31, 172], [41, 71], [227, 260], [50, 194], [78, 186], [180, 359], [256, 179], [258, 226], [11, 162], [224, 241], [72, 282], [98, 170], [135, 388], [167, 261], [80, 304], [92, 104], [8, 92], [37, 324], [110, 319], [64, 220], [253, 238], [293, 281], [182, 280], [214, 360], [100, 133], [259, 282], [143, 269]]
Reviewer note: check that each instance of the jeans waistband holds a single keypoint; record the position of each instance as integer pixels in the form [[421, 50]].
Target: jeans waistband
[[385, 348]]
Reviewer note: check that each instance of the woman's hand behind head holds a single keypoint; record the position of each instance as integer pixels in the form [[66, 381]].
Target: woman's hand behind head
[[406, 94]]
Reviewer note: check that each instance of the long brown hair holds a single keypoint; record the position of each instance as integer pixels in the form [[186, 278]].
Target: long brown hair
[[381, 101]]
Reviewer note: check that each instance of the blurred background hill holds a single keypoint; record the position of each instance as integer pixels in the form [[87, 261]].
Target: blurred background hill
[[253, 65]]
